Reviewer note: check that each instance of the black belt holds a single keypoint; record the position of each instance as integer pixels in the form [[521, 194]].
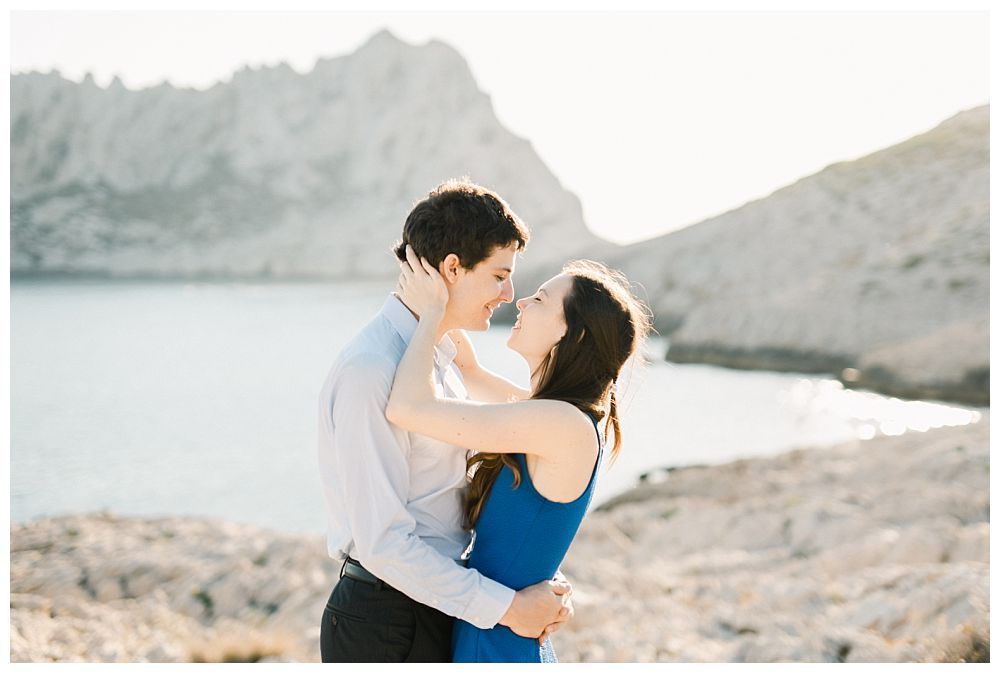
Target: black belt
[[357, 572]]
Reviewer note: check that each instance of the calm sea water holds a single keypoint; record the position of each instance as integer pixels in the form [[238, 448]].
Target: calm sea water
[[200, 399]]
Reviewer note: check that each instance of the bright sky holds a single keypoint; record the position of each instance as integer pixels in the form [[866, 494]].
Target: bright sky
[[656, 120]]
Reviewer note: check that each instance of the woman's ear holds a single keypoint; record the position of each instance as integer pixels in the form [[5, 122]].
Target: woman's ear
[[449, 267]]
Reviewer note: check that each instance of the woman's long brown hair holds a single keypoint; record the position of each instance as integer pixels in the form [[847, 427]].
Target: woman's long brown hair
[[605, 325]]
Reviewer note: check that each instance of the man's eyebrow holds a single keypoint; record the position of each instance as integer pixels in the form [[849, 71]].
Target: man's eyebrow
[[506, 268]]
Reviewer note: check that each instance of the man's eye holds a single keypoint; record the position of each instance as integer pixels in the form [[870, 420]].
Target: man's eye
[[499, 278]]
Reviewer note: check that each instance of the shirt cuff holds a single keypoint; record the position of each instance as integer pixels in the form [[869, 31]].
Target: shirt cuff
[[489, 606]]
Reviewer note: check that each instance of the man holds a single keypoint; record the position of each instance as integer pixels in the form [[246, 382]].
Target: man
[[393, 498]]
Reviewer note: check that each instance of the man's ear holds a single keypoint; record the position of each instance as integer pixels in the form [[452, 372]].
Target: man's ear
[[449, 267]]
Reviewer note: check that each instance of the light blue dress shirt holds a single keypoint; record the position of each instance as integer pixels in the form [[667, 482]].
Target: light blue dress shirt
[[394, 498]]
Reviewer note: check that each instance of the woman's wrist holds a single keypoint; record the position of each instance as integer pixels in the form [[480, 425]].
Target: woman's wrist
[[433, 316]]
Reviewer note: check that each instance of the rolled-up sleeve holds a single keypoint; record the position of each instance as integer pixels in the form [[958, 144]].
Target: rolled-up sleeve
[[370, 455]]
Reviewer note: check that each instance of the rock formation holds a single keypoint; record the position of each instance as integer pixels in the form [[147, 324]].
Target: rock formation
[[273, 174]]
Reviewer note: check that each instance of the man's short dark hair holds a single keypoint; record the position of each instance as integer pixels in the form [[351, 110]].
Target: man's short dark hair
[[464, 218]]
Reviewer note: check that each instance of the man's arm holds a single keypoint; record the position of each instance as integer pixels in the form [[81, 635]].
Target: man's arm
[[371, 460]]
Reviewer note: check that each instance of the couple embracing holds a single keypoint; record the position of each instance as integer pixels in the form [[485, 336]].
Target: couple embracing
[[407, 413]]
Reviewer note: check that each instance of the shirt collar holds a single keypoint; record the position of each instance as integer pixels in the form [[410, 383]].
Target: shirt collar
[[400, 317], [444, 352], [405, 325]]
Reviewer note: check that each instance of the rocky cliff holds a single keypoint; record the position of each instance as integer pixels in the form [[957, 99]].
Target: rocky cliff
[[879, 265], [872, 551], [272, 174]]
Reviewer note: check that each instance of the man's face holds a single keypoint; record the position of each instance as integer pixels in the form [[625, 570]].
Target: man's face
[[476, 293]]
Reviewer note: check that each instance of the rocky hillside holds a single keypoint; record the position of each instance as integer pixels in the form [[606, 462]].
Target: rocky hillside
[[872, 551], [880, 265], [273, 174]]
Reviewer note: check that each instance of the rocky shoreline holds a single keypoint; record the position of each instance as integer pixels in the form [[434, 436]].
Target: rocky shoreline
[[871, 551], [966, 384]]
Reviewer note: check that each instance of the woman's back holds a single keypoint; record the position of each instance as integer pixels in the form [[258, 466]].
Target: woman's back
[[521, 538]]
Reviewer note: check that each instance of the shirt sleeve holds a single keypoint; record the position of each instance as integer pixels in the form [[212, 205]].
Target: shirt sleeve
[[371, 457]]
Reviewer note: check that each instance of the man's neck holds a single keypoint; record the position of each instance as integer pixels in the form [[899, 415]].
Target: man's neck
[[442, 328]]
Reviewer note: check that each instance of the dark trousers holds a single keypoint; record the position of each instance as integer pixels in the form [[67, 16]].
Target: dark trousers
[[363, 622]]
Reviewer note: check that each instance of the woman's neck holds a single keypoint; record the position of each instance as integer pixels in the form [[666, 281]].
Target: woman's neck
[[536, 374]]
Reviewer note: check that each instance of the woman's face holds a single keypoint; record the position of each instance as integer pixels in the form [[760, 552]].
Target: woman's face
[[540, 320]]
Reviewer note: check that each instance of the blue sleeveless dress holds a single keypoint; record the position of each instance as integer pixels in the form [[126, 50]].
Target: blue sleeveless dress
[[521, 538]]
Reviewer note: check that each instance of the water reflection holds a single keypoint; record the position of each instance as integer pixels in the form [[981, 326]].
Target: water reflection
[[871, 414]]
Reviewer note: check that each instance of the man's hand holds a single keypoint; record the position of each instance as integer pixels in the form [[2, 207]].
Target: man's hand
[[537, 607], [567, 602]]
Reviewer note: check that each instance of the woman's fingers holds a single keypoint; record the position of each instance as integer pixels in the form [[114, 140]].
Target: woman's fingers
[[412, 258], [415, 262]]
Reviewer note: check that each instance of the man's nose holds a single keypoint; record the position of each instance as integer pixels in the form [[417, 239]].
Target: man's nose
[[507, 293]]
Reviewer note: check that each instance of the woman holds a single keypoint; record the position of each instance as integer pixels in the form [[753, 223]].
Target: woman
[[536, 459]]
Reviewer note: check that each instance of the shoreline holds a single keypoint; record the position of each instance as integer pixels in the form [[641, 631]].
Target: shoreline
[[972, 390], [648, 476]]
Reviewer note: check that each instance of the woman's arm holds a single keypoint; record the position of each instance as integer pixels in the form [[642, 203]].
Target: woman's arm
[[547, 428], [484, 385]]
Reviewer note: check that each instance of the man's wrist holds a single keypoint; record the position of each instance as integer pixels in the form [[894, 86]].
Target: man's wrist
[[507, 617], [490, 606]]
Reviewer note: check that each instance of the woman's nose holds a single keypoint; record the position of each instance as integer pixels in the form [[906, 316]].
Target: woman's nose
[[519, 304]]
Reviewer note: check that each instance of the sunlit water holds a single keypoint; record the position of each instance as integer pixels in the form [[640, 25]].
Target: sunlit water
[[200, 399]]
